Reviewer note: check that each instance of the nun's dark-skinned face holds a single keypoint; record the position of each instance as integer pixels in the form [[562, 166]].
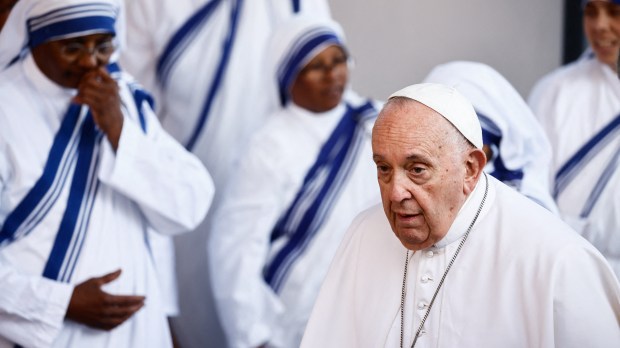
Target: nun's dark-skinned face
[[320, 84], [66, 61]]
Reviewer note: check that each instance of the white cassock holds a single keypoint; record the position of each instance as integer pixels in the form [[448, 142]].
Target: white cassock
[[579, 108], [149, 182], [231, 106], [523, 278], [253, 308]]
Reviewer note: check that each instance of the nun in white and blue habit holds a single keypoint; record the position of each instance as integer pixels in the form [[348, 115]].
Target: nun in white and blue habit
[[74, 207], [307, 172], [578, 106]]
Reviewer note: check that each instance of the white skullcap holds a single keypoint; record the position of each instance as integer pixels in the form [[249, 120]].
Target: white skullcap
[[450, 104]]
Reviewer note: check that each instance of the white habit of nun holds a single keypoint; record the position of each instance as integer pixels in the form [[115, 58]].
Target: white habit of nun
[[149, 182], [265, 286], [521, 151], [200, 76], [522, 279], [224, 37], [579, 107], [279, 157]]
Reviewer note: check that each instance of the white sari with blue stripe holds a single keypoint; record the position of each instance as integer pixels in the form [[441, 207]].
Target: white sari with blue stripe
[[71, 209], [579, 107], [303, 180], [204, 60], [215, 114]]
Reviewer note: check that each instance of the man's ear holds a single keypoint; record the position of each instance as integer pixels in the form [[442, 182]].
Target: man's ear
[[474, 164]]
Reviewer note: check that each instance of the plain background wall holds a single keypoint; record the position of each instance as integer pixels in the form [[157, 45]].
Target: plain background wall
[[395, 43]]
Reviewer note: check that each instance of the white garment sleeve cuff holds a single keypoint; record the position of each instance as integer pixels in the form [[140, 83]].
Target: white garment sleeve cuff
[[38, 310], [58, 296], [115, 167]]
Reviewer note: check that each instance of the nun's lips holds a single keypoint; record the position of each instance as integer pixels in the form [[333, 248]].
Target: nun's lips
[[334, 92]]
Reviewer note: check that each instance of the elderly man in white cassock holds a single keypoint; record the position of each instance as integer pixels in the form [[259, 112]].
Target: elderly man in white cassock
[[456, 258], [85, 171]]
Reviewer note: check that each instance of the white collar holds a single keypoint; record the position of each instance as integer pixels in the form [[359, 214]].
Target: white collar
[[339, 110], [320, 124]]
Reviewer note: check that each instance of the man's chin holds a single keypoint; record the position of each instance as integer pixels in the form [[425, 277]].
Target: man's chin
[[413, 240]]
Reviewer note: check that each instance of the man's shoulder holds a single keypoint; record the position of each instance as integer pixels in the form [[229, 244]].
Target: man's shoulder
[[373, 216], [515, 205], [530, 224], [371, 227]]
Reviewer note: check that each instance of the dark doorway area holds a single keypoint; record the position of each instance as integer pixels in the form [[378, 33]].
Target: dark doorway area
[[574, 40]]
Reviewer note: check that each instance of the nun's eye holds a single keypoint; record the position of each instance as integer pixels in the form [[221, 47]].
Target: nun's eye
[[324, 67]]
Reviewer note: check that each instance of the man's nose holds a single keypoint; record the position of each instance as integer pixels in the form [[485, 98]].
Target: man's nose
[[399, 188]]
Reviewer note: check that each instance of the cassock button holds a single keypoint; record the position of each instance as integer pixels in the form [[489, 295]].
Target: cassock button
[[426, 278], [422, 305], [430, 253]]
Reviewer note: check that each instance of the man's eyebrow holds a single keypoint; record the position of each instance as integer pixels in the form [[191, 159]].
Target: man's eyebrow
[[412, 157]]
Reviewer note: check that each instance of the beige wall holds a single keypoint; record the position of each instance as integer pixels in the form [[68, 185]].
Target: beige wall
[[396, 42]]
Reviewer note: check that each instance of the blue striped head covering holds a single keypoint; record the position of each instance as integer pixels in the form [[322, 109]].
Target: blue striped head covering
[[584, 2], [33, 22], [71, 19], [296, 43]]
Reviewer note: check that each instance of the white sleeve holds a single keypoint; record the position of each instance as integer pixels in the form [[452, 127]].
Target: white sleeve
[[238, 250], [169, 184], [32, 308]]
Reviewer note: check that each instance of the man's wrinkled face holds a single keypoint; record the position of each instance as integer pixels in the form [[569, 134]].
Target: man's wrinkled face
[[421, 172], [601, 22], [66, 61]]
